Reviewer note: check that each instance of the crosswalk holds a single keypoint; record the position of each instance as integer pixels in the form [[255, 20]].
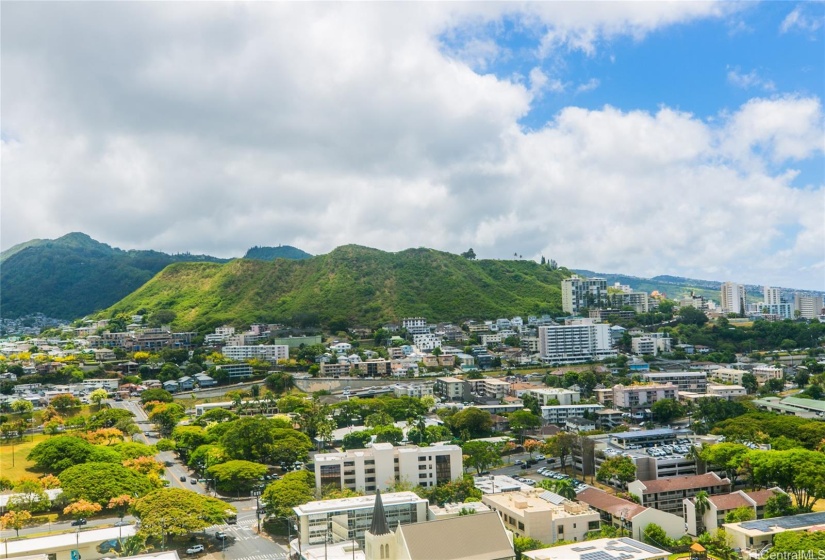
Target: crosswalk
[[277, 556]]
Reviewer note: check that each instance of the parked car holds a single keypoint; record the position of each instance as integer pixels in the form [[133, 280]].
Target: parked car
[[220, 535], [519, 462], [525, 466], [122, 523], [195, 549], [183, 479], [192, 481], [79, 522]]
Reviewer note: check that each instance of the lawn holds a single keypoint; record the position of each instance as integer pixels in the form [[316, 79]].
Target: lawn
[[15, 466]]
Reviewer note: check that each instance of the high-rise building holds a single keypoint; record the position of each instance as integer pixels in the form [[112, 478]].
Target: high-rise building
[[733, 297], [773, 296], [581, 341], [578, 293], [809, 306]]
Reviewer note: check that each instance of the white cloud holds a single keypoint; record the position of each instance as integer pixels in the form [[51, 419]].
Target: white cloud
[[750, 80], [215, 127], [797, 19], [589, 85]]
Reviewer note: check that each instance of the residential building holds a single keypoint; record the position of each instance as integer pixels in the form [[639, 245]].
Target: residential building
[[417, 390], [382, 465], [639, 301], [426, 342], [235, 371], [755, 536], [452, 388], [547, 395], [373, 368], [773, 296], [667, 494], [804, 408], [778, 311], [696, 381], [732, 297], [578, 293], [604, 395], [347, 519], [578, 425], [621, 548], [630, 516], [489, 387], [415, 325], [561, 413], [808, 306], [267, 352], [604, 315], [339, 369], [436, 512], [722, 504], [543, 515], [765, 373], [579, 342], [635, 396], [608, 418], [728, 392]]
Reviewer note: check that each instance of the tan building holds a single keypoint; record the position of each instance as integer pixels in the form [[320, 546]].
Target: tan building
[[629, 516], [667, 494], [719, 506], [754, 536], [634, 396], [543, 515]]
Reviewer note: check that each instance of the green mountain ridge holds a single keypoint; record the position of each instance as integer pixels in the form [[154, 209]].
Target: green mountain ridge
[[353, 285], [75, 275], [279, 252]]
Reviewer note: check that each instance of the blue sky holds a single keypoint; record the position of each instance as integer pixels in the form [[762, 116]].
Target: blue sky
[[645, 138]]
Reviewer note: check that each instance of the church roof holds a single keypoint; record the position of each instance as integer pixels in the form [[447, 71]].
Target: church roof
[[379, 518], [469, 537]]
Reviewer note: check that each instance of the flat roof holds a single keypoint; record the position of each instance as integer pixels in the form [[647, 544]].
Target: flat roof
[[651, 433], [623, 548], [789, 522], [67, 540], [358, 502]]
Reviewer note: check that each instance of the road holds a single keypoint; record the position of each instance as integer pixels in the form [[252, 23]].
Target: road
[[62, 526]]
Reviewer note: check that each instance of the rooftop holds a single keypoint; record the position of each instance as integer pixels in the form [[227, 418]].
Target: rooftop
[[469, 537], [683, 483], [600, 549], [641, 434], [67, 540], [787, 523], [615, 506], [358, 502]]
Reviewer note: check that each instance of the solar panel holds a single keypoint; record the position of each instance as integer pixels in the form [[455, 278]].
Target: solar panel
[[552, 497], [599, 555], [788, 522], [640, 545]]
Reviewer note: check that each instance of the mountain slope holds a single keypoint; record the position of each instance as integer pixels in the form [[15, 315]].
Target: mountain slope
[[74, 275], [353, 284], [279, 252]]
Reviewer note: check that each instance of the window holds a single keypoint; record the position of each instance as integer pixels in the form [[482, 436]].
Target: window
[[521, 526], [593, 526], [421, 458], [369, 462], [331, 474], [442, 469], [370, 479], [422, 475], [349, 463]]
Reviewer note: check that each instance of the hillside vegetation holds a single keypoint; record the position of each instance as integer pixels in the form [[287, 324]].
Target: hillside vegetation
[[352, 285], [279, 252], [74, 275]]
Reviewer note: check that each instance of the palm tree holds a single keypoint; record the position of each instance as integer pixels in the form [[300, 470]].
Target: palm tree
[[564, 488], [702, 505]]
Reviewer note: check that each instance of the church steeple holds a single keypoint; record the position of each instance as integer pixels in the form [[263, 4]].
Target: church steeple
[[379, 518]]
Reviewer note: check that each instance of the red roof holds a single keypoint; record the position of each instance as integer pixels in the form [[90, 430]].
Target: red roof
[[615, 506], [683, 483]]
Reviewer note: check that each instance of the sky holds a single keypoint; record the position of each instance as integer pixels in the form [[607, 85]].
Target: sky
[[644, 138]]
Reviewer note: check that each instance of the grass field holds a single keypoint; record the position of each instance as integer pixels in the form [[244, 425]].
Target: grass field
[[15, 466]]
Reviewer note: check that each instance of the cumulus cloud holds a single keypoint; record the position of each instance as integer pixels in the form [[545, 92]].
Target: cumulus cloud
[[215, 127]]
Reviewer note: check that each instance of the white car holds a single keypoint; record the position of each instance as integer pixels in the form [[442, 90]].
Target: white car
[[195, 549]]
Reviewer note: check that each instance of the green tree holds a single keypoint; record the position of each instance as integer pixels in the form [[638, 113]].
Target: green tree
[[531, 402], [793, 544], [743, 513], [749, 382], [456, 491], [100, 482], [237, 476], [357, 440], [475, 422], [161, 395], [175, 511], [292, 490], [479, 455], [692, 316], [561, 446], [29, 495], [702, 503], [523, 544], [379, 418], [621, 468], [82, 509], [189, 437], [280, 382], [59, 453], [521, 420], [665, 410], [98, 396], [779, 505], [166, 416]]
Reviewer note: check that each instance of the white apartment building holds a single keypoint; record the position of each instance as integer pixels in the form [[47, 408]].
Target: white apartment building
[[696, 381], [415, 325], [268, 352], [642, 345], [426, 342], [581, 341], [778, 310], [417, 390], [562, 413], [346, 519], [773, 296], [542, 515], [639, 301], [490, 387], [765, 373], [492, 338], [547, 394], [761, 372], [732, 297], [728, 392], [809, 306], [578, 293], [633, 396], [382, 465]]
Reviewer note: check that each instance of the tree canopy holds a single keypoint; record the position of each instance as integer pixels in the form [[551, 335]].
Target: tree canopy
[[176, 511], [100, 482], [293, 489], [237, 476]]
